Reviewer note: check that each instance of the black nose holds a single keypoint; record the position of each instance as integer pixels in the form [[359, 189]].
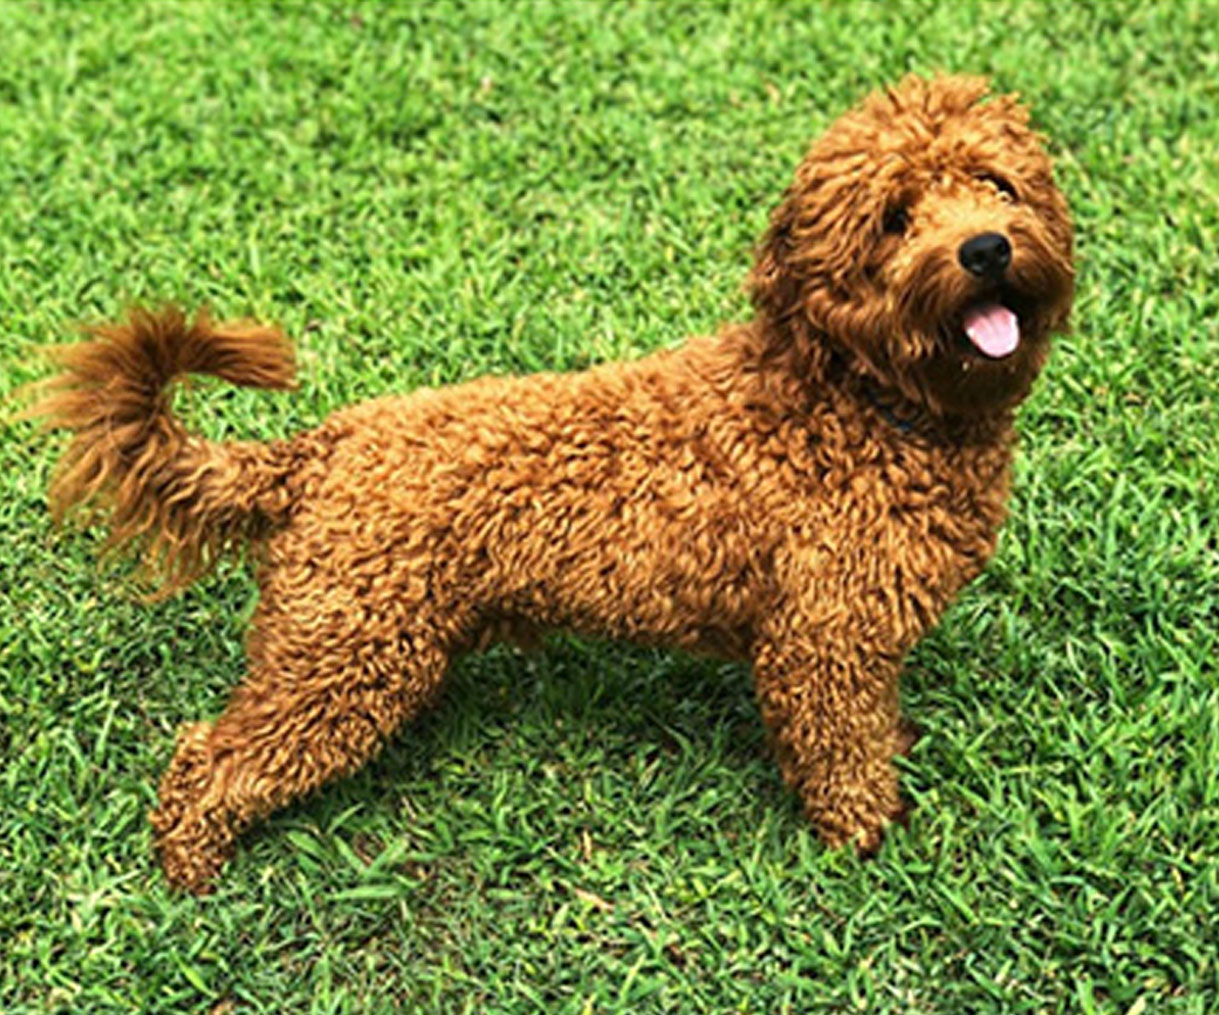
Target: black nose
[[985, 255]]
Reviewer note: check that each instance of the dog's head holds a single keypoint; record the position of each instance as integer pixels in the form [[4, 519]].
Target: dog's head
[[925, 241]]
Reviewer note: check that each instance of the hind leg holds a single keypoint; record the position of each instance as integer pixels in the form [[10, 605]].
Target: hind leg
[[300, 718]]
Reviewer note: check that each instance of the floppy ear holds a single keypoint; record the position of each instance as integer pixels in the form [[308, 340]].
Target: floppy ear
[[772, 284], [777, 289], [818, 234]]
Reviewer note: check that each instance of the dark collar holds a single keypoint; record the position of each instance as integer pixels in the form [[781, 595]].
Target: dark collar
[[903, 426], [930, 429], [900, 424]]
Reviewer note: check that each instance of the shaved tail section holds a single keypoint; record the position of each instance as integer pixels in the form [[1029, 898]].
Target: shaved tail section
[[181, 500]]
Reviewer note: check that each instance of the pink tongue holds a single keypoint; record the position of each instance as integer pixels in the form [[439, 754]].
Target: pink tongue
[[993, 329]]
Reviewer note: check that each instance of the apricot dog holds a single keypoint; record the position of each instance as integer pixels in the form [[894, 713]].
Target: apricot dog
[[807, 490]]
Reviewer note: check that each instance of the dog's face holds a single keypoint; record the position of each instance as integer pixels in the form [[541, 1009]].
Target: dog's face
[[925, 239]]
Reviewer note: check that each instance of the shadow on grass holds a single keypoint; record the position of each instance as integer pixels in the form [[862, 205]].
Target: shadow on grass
[[597, 702]]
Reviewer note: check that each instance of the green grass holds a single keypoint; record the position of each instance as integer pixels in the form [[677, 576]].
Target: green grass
[[424, 194]]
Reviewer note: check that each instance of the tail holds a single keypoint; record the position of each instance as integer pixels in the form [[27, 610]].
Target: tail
[[181, 499]]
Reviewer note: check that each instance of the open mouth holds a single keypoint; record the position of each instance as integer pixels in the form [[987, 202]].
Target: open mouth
[[992, 329], [994, 326]]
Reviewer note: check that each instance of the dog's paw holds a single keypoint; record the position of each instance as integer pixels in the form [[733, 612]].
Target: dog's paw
[[868, 843], [193, 852], [859, 814], [194, 838]]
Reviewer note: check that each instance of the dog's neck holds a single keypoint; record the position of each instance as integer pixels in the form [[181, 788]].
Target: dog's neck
[[913, 420], [800, 370]]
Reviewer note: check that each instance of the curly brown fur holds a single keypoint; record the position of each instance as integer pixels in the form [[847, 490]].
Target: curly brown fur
[[184, 499], [806, 491]]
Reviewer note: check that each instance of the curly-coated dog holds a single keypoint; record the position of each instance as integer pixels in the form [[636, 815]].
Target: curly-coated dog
[[806, 491]]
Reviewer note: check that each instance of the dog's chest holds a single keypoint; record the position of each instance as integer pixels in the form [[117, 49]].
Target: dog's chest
[[896, 531]]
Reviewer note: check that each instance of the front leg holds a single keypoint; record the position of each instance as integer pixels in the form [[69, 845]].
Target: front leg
[[830, 704]]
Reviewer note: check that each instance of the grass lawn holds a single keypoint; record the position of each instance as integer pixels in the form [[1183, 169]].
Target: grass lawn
[[422, 194]]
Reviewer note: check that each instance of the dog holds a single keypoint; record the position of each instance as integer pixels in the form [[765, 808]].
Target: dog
[[805, 491]]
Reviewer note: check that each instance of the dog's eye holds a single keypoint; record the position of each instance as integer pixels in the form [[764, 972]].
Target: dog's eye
[[896, 221], [1001, 183]]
